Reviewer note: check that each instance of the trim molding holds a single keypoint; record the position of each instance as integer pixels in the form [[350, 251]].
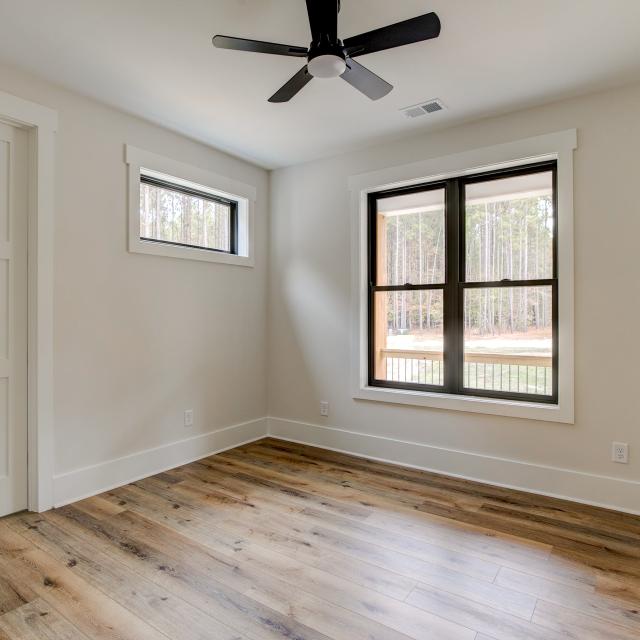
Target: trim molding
[[559, 146], [555, 482], [175, 171], [90, 481], [41, 124]]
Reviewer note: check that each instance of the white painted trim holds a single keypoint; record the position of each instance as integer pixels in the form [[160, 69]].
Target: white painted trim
[[155, 162], [138, 160], [466, 162], [567, 484], [558, 146], [90, 481], [42, 124], [27, 114]]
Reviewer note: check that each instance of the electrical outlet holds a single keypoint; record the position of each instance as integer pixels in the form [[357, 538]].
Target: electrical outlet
[[620, 452], [324, 408], [188, 418]]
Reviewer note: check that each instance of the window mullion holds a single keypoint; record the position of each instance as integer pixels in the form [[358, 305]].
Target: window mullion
[[453, 361]]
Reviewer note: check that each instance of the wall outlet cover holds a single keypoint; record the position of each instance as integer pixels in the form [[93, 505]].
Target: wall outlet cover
[[620, 452]]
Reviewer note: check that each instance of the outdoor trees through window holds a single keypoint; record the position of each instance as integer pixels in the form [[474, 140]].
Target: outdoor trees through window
[[180, 215], [463, 285]]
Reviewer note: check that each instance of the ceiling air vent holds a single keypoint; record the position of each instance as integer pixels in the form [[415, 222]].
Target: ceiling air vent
[[431, 106]]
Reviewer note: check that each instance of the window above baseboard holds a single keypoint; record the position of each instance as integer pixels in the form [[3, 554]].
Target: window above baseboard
[[417, 336], [180, 211]]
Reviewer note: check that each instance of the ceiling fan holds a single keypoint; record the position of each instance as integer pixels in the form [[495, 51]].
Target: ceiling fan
[[330, 57]]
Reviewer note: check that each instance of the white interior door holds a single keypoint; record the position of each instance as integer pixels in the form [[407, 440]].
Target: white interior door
[[13, 319]]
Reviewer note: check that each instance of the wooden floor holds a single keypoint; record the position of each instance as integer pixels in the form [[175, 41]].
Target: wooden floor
[[280, 541]]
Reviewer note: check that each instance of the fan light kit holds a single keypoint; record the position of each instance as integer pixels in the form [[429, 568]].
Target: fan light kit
[[327, 66], [329, 57]]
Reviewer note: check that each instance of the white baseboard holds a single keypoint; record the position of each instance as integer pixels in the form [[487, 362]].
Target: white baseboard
[[90, 481], [568, 484]]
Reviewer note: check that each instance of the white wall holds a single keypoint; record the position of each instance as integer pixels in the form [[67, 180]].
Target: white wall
[[140, 338], [309, 321]]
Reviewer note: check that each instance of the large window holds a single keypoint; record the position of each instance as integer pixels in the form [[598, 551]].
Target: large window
[[463, 292], [184, 215]]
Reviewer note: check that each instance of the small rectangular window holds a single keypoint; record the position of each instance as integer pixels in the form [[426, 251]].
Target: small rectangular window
[[181, 214], [463, 285]]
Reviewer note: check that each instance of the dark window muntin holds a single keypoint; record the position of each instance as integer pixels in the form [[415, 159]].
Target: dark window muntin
[[455, 283], [203, 195]]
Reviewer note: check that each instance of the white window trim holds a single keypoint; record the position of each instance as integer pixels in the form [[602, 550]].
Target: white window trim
[[558, 146], [140, 160]]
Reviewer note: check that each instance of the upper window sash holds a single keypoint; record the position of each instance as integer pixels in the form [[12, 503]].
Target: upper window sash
[[499, 174], [431, 197]]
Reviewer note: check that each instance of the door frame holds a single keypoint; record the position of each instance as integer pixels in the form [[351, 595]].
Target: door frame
[[41, 124]]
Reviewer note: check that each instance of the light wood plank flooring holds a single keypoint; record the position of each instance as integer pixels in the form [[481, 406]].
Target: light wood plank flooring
[[280, 541]]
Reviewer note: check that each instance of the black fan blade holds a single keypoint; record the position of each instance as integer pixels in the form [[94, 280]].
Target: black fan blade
[[366, 81], [257, 46], [395, 35], [289, 89], [323, 19]]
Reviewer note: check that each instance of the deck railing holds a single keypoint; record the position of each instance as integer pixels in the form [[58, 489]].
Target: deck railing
[[492, 371]]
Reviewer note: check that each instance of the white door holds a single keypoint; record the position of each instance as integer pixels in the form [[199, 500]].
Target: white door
[[13, 319]]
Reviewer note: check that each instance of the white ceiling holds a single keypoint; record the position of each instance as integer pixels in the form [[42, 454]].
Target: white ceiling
[[154, 58]]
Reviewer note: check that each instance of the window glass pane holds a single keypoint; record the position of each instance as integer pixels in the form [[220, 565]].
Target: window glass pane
[[411, 244], [172, 216], [408, 336], [509, 228], [508, 339]]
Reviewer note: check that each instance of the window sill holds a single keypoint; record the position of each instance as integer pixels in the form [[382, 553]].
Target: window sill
[[187, 253], [472, 404]]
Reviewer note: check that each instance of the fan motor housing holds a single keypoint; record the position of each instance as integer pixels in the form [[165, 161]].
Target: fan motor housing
[[326, 59]]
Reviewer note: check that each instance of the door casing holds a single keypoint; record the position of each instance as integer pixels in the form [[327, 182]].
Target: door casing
[[13, 317], [41, 124]]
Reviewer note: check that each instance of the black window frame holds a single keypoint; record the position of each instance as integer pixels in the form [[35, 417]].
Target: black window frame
[[455, 283], [196, 193]]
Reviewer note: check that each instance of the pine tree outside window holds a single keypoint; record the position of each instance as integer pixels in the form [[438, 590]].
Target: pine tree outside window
[[175, 214]]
